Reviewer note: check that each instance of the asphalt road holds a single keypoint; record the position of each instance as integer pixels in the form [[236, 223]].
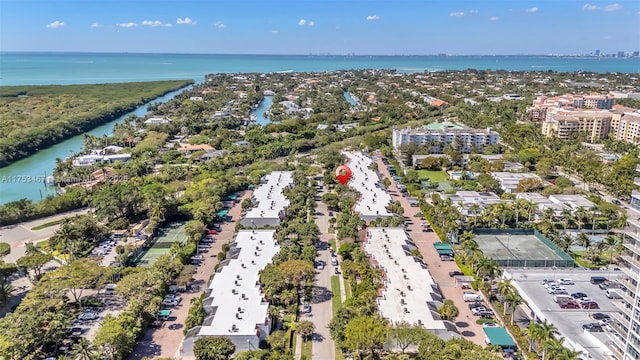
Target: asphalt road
[[321, 305]]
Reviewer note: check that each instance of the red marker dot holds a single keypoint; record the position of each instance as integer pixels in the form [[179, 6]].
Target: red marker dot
[[343, 173]]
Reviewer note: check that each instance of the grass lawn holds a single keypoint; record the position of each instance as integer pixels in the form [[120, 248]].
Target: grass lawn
[[335, 289], [347, 288], [47, 224], [433, 176], [306, 352]]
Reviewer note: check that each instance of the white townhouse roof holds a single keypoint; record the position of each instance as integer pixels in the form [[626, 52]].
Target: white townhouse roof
[[409, 292], [238, 302], [270, 199], [374, 199], [509, 181], [572, 201]]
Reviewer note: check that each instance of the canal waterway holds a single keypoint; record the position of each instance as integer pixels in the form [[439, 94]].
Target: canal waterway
[[349, 98], [25, 178], [262, 108]]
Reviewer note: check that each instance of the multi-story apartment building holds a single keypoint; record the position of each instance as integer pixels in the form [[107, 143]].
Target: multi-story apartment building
[[562, 123], [542, 104], [625, 125], [625, 339], [438, 136]]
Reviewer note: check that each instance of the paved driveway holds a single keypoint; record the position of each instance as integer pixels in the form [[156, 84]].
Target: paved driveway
[[165, 341], [466, 322], [321, 309]]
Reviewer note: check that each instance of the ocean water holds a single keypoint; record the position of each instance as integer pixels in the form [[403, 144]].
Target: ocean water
[[86, 68]]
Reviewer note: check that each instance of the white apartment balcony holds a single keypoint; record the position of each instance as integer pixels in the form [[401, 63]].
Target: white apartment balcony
[[622, 305], [626, 282], [637, 168], [619, 323], [631, 260], [625, 296], [631, 244], [636, 181], [635, 193], [615, 345], [629, 271]]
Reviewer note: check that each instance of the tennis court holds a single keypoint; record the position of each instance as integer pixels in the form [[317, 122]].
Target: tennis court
[[521, 248], [161, 245]]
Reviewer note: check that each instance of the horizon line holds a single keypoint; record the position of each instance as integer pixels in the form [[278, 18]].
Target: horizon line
[[291, 54]]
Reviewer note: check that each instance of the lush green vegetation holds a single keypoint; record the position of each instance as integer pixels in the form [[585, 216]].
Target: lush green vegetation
[[35, 117], [433, 176], [47, 224]]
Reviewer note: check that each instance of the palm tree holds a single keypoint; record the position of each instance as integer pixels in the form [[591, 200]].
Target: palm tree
[[580, 215], [567, 218], [547, 333], [513, 300], [504, 289], [475, 210], [611, 242], [532, 333], [583, 240], [84, 350]]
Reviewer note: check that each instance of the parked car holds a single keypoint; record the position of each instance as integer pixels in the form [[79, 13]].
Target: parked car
[[595, 280], [478, 310], [550, 284], [490, 325], [566, 282], [593, 327], [320, 265], [557, 290], [617, 202], [476, 304], [173, 297], [579, 295], [455, 273], [446, 258], [336, 270], [486, 314], [584, 300], [561, 298], [75, 331], [306, 307], [608, 284], [545, 281], [167, 302], [612, 294], [590, 305], [600, 316], [334, 261], [571, 304], [88, 316], [471, 296]]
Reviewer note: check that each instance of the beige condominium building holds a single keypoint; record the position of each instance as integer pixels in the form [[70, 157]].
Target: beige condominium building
[[625, 124], [562, 123]]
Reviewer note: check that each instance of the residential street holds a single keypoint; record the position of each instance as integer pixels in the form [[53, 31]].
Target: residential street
[[18, 234], [166, 341], [466, 322], [321, 310]]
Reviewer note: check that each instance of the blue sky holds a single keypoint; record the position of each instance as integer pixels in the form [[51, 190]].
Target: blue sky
[[337, 27]]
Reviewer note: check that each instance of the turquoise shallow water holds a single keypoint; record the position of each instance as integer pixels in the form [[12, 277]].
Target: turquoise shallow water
[[82, 68], [86, 68]]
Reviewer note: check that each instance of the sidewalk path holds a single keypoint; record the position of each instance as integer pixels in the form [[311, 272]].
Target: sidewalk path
[[166, 341], [466, 322]]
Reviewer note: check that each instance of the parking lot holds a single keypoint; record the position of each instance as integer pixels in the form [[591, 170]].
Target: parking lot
[[568, 321]]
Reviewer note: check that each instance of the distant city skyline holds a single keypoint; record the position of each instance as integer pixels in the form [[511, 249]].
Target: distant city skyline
[[543, 27]]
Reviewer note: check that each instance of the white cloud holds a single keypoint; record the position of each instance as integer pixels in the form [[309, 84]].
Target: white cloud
[[494, 18], [613, 7], [274, 31], [185, 21], [474, 11], [154, 23], [219, 25], [127, 25], [338, 28], [373, 17], [590, 7], [96, 25], [56, 24], [304, 22], [456, 14], [532, 10]]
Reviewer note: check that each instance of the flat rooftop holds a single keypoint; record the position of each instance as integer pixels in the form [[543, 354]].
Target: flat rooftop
[[269, 196], [518, 248], [374, 200], [446, 125], [572, 201], [568, 321], [408, 288], [235, 289]]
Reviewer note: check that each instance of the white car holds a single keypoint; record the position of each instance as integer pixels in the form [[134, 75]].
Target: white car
[[554, 288], [173, 297], [167, 302], [478, 310], [566, 282], [88, 316], [584, 300], [550, 284]]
